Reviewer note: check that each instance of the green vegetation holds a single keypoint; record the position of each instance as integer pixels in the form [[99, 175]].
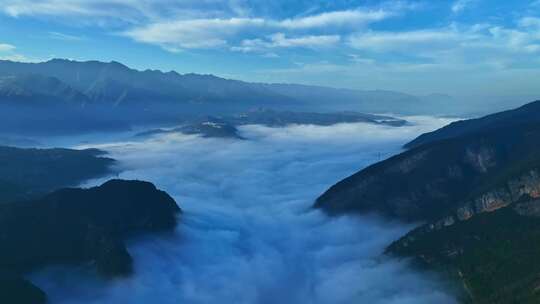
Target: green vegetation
[[495, 255]]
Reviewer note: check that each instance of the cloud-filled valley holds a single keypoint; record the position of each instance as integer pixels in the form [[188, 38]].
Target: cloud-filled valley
[[248, 234]]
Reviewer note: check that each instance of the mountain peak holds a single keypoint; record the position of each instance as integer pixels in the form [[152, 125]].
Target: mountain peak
[[118, 65]]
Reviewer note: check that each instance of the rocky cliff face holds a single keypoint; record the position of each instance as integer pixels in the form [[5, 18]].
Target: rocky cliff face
[[492, 256], [449, 180], [478, 192], [526, 185]]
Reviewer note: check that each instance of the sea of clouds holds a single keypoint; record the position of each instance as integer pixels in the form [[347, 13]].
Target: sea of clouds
[[248, 233]]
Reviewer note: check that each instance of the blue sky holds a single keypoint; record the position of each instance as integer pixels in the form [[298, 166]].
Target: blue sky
[[458, 47]]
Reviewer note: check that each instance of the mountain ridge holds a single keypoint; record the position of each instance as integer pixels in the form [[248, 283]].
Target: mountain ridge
[[527, 113], [476, 196], [196, 88]]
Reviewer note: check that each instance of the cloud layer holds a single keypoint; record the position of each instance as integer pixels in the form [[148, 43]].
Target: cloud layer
[[248, 234]]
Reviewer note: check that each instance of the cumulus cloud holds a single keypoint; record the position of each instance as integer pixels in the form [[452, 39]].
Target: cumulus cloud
[[248, 234]]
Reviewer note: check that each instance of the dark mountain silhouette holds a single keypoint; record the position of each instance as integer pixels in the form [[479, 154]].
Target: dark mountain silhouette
[[26, 173], [437, 179], [71, 226], [529, 113], [476, 186]]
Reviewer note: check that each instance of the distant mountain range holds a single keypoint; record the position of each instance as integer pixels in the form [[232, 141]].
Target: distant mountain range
[[65, 96], [476, 186], [114, 84]]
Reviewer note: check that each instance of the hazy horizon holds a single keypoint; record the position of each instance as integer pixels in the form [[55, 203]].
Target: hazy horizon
[[454, 47], [511, 100]]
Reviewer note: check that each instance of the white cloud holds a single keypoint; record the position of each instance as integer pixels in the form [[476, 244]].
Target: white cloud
[[361, 60], [477, 42], [117, 13], [532, 22], [93, 11], [460, 5], [14, 57], [280, 40], [216, 32], [8, 52], [193, 24], [338, 18], [65, 37], [198, 33], [4, 47], [404, 41]]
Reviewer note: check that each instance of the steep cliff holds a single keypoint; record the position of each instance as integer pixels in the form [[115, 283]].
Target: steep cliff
[[454, 177], [493, 256], [477, 192]]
